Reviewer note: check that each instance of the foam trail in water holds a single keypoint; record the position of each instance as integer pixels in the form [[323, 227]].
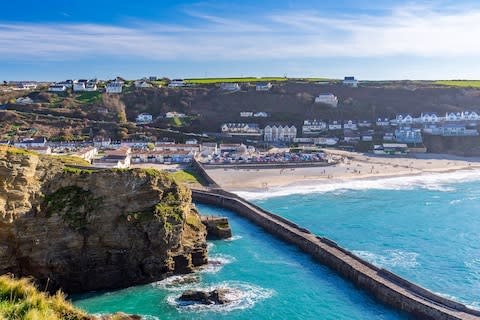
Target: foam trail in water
[[390, 258], [216, 262], [431, 181], [242, 296]]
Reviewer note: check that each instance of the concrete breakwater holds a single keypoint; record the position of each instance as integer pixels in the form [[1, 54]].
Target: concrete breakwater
[[384, 285]]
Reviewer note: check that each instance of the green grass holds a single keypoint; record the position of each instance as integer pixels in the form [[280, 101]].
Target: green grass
[[20, 299], [89, 97], [76, 170], [176, 121], [220, 80], [71, 160], [459, 83], [187, 176]]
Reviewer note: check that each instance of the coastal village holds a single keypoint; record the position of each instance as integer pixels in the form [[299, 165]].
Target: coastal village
[[254, 140]]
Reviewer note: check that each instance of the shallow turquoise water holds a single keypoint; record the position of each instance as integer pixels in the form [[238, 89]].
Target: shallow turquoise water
[[427, 231], [276, 281]]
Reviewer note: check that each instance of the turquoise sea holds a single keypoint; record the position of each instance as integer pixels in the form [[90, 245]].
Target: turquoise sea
[[426, 229]]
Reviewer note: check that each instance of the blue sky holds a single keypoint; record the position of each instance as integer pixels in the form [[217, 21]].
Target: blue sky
[[54, 40]]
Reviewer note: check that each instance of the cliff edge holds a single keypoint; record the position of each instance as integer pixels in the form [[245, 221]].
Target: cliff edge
[[82, 230]]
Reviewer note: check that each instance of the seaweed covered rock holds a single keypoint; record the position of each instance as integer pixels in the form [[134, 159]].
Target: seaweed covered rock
[[83, 230]]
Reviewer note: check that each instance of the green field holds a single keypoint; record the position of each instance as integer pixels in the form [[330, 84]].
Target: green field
[[220, 80], [89, 97], [459, 83]]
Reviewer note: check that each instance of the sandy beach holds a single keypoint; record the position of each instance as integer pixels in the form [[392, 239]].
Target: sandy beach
[[350, 166]]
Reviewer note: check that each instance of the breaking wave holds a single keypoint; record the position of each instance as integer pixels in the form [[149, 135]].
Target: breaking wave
[[443, 182], [216, 262]]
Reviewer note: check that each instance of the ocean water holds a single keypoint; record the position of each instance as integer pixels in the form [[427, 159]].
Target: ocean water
[[269, 279], [426, 229]]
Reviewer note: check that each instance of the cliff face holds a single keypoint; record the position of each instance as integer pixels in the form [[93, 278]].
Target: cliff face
[[82, 230]]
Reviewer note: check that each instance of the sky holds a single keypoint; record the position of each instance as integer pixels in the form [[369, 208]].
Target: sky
[[371, 40]]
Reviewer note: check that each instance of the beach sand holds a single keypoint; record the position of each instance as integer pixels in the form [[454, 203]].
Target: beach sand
[[351, 165]]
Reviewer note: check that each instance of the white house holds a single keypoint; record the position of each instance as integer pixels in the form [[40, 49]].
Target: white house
[[364, 124], [174, 114], [408, 135], [263, 86], [350, 82], [27, 85], [280, 133], [404, 119], [454, 129], [229, 86], [453, 116], [241, 128], [313, 126], [144, 118], [114, 87], [470, 115], [328, 98], [79, 86], [24, 100], [176, 83], [335, 125], [87, 153], [260, 114], [57, 88], [350, 125], [429, 117], [91, 85], [208, 148], [142, 84], [118, 158], [28, 143], [246, 114], [382, 122]]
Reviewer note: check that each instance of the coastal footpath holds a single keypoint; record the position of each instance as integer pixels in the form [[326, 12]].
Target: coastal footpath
[[383, 284], [82, 230]]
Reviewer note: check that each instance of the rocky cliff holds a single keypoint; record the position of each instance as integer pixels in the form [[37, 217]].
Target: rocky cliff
[[83, 230]]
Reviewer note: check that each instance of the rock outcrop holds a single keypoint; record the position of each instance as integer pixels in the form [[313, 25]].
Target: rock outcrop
[[217, 296], [217, 227], [83, 230]]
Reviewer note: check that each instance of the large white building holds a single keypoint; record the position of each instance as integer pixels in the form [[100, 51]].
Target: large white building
[[144, 118], [328, 98], [350, 82], [114, 87], [241, 129], [313, 127], [57, 88], [279, 133], [263, 86], [228, 86], [176, 83]]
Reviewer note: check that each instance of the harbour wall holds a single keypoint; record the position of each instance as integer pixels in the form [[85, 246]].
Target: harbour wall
[[383, 284]]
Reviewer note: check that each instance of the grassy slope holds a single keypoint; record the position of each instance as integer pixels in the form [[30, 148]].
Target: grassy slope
[[19, 299], [460, 83]]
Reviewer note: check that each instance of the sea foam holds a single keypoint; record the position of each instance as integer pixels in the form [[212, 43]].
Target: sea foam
[[444, 182], [241, 294]]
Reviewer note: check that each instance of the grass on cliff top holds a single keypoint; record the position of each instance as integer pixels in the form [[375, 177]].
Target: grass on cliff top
[[220, 80], [188, 176], [71, 160], [20, 299], [459, 83]]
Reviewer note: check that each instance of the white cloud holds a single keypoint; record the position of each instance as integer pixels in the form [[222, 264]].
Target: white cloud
[[407, 30]]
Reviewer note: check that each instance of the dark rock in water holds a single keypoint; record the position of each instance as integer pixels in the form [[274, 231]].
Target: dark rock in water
[[217, 227], [217, 296]]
